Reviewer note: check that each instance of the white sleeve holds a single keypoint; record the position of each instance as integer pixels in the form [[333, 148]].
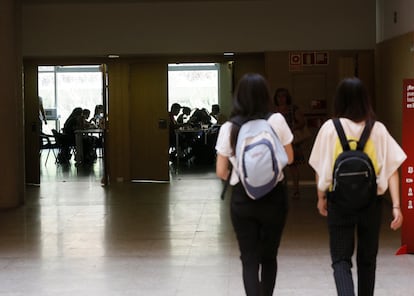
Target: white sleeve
[[280, 126], [223, 140], [321, 157], [223, 148]]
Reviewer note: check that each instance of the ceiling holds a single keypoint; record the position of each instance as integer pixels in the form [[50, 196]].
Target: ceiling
[[118, 1]]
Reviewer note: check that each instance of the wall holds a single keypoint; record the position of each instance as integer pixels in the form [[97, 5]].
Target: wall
[[11, 107], [307, 83], [119, 155], [193, 27], [394, 59], [394, 62], [394, 18], [158, 29]]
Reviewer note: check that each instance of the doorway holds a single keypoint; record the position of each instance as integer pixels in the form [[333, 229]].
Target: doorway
[[194, 91], [61, 89]]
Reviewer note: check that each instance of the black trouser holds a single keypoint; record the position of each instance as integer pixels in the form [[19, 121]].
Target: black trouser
[[343, 227], [259, 225]]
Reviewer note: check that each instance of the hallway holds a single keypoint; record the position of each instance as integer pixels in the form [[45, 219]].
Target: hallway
[[75, 237]]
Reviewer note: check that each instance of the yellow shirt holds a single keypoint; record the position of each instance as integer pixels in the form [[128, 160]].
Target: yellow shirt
[[385, 153]]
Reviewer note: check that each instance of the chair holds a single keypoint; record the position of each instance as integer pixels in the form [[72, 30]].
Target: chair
[[48, 142], [65, 148]]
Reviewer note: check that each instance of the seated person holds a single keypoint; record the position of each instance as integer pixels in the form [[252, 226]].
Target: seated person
[[76, 121], [72, 123], [85, 123], [184, 116], [90, 143], [98, 117], [215, 113], [199, 118]]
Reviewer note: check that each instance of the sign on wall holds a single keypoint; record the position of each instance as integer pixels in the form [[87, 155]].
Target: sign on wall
[[307, 58], [407, 168]]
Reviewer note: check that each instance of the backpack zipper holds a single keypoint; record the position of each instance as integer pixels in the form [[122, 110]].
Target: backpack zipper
[[366, 173], [355, 174]]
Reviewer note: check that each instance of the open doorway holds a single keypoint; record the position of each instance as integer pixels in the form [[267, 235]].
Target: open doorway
[[199, 96], [61, 91]]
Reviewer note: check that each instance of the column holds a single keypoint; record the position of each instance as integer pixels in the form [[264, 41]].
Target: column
[[11, 106]]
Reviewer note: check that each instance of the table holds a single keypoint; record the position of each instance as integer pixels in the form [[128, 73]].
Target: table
[[183, 131], [79, 141]]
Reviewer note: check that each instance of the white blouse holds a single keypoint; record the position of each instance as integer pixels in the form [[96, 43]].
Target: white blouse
[[385, 153]]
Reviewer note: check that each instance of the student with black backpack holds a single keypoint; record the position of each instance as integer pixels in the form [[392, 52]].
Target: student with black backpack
[[259, 202], [355, 161]]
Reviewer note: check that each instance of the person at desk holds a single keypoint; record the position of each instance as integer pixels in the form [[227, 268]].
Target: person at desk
[[200, 118], [72, 123], [173, 124], [215, 113], [76, 121], [98, 121], [98, 117], [85, 123], [88, 141], [184, 116]]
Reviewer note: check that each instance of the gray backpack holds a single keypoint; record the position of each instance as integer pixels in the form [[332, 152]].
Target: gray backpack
[[260, 156]]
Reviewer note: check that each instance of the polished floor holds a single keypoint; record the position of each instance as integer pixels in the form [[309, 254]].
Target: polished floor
[[75, 237]]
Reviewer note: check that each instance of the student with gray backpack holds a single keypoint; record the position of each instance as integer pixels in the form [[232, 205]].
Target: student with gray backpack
[[356, 161], [257, 145]]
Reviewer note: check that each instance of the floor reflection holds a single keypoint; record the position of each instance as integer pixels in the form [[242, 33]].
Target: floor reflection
[[76, 237]]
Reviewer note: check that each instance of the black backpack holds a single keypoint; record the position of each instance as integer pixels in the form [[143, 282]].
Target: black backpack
[[354, 178]]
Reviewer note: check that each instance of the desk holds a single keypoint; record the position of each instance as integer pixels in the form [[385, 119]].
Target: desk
[[185, 131], [79, 141]]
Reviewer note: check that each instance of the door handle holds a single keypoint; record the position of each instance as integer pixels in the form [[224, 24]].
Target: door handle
[[162, 123]]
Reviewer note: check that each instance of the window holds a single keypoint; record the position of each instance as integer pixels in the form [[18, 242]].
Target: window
[[63, 88], [193, 85]]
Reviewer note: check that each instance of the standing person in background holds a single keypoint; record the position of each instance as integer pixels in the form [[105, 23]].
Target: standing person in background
[[258, 223], [352, 107], [173, 124], [296, 121], [42, 114]]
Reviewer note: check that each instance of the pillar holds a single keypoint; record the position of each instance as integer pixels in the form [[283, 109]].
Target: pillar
[[11, 106]]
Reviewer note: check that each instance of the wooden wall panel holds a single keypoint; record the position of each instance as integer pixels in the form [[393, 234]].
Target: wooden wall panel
[[394, 62], [118, 132]]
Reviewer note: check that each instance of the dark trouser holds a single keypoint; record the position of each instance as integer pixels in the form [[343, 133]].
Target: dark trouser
[[259, 225], [342, 227]]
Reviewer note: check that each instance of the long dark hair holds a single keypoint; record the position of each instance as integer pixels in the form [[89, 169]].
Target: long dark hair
[[352, 101], [251, 100]]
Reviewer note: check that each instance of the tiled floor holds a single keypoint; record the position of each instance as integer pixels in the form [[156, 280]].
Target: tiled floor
[[75, 237]]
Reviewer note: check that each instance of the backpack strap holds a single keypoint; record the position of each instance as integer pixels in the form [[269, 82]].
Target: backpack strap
[[238, 120], [365, 135], [362, 140], [341, 134]]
